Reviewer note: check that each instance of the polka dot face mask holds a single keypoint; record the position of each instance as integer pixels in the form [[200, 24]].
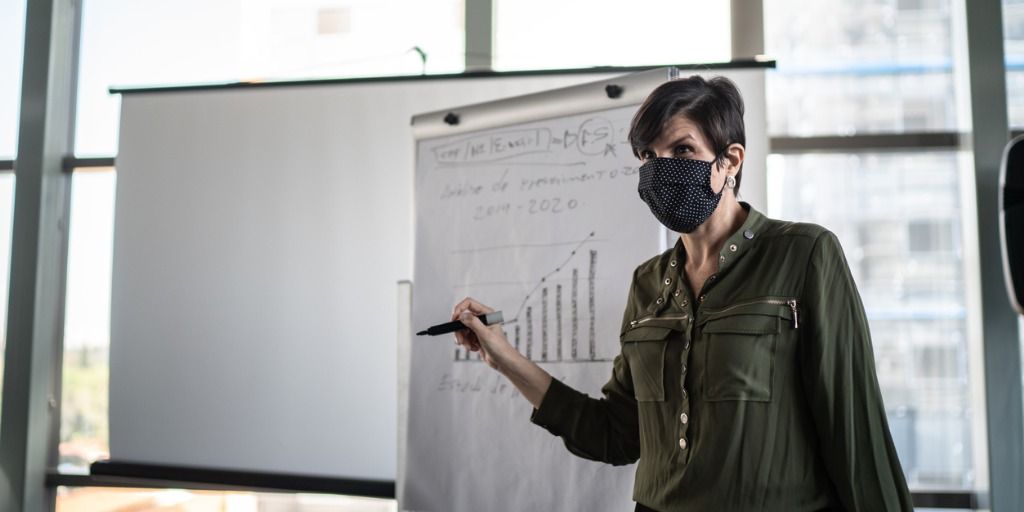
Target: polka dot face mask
[[678, 191]]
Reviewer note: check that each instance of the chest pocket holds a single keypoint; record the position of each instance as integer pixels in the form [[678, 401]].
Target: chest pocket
[[740, 351], [644, 347]]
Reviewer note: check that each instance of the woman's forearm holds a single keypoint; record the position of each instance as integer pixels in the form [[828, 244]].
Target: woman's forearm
[[531, 380]]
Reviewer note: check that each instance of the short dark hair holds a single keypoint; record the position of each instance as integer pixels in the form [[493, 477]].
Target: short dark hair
[[715, 105]]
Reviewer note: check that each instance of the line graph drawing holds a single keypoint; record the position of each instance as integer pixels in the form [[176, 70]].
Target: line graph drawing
[[544, 279], [546, 326]]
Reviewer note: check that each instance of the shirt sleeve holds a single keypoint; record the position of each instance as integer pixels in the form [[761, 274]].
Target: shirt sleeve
[[841, 386], [605, 429]]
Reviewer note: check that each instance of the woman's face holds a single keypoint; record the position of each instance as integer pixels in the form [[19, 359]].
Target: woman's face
[[682, 138]]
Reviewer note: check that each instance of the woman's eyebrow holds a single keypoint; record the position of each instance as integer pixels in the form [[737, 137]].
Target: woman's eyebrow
[[683, 139]]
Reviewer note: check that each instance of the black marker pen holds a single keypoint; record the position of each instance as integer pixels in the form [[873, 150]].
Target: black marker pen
[[487, 319]]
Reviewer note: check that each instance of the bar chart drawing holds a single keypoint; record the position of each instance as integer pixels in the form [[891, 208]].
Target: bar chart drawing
[[546, 327]]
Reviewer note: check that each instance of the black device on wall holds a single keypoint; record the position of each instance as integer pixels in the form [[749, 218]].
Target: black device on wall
[[1011, 220]]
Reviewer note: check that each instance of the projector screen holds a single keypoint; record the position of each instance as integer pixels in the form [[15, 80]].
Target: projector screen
[[260, 234]]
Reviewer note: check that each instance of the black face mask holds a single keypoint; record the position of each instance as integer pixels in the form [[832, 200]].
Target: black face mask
[[678, 191]]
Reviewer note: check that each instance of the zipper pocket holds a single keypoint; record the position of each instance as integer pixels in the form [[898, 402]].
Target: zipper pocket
[[648, 318], [793, 304]]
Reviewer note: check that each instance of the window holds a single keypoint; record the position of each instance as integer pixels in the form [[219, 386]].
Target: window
[[6, 218], [848, 66], [845, 67], [86, 375], [898, 217], [12, 40], [1013, 34], [547, 34], [127, 43], [930, 236]]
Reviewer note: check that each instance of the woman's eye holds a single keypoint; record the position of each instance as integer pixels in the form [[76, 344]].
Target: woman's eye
[[646, 154], [680, 150]]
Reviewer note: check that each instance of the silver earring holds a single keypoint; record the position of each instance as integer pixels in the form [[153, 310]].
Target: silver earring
[[730, 182]]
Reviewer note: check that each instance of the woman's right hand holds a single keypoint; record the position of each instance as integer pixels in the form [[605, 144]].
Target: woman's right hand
[[531, 380], [489, 340]]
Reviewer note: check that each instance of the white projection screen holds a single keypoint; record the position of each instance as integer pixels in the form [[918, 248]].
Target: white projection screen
[[260, 233], [260, 236]]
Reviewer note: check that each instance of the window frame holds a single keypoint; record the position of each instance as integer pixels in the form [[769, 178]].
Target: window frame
[[42, 19]]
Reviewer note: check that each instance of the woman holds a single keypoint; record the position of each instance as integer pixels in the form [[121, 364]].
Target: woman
[[746, 379]]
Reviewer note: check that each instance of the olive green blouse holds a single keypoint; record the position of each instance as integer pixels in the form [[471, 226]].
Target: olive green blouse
[[758, 392]]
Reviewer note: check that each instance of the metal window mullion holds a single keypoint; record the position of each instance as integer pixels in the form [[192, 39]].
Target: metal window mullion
[[746, 23], [479, 42], [867, 142], [71, 163], [30, 414]]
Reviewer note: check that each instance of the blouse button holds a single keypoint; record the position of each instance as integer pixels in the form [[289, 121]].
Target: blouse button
[[700, 299], [660, 300], [732, 247], [684, 418], [682, 443], [677, 292], [721, 259], [668, 281], [748, 234], [672, 263]]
